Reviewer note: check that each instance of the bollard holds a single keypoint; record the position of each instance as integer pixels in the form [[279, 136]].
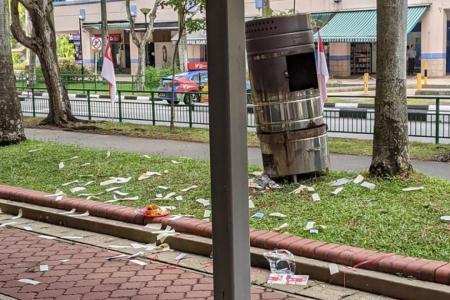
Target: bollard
[[366, 84], [425, 73], [419, 82]]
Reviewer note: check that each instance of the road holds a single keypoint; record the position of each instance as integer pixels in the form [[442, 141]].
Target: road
[[201, 151]]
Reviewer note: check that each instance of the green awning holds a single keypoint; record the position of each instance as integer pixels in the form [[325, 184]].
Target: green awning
[[361, 26]]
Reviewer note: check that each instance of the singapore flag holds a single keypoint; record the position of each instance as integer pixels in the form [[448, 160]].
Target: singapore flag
[[108, 70], [322, 71]]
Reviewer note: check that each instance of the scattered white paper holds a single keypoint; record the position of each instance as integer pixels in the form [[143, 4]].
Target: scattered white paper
[[126, 256], [47, 237], [85, 214], [164, 235], [122, 179], [120, 193], [181, 256], [298, 190], [70, 182], [92, 197], [34, 150], [71, 237], [89, 183], [334, 269], [175, 162], [281, 227], [169, 195], [315, 197], [203, 202], [189, 188], [130, 198], [119, 247], [85, 164], [413, 189], [29, 281], [166, 171], [277, 215], [445, 219], [108, 182], [59, 198], [358, 179], [148, 174], [56, 194], [88, 175], [27, 228], [207, 213], [337, 191], [162, 187], [61, 165], [7, 224], [310, 225], [146, 156], [368, 185], [168, 207], [108, 154], [310, 189], [251, 204], [138, 262], [314, 231], [179, 198], [340, 182], [73, 210], [73, 158], [43, 268], [77, 189], [159, 196], [19, 215], [288, 279], [114, 188]]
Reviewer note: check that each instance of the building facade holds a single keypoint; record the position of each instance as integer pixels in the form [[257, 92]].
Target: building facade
[[348, 27]]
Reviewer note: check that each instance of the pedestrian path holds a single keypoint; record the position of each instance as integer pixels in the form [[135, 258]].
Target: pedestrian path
[[339, 162]]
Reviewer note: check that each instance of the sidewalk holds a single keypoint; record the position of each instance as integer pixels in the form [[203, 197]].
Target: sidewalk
[[339, 162]]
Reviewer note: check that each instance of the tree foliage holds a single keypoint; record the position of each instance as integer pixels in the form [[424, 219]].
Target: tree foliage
[[64, 48]]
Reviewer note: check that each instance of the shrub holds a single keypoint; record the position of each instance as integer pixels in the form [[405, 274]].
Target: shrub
[[151, 77]]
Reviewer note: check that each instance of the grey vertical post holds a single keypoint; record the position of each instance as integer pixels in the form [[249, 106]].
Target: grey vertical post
[[228, 145]]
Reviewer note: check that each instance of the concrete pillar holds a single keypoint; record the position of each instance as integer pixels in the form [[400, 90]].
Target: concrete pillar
[[133, 57], [88, 55], [434, 41], [340, 56]]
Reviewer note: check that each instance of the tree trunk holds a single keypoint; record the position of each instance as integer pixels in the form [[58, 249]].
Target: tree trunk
[[11, 129], [390, 142], [181, 30], [182, 52], [141, 67], [31, 57], [44, 45]]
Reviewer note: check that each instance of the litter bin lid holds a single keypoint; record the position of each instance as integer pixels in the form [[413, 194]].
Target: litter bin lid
[[264, 27]]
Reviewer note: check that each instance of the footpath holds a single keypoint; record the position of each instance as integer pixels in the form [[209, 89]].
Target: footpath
[[339, 162]]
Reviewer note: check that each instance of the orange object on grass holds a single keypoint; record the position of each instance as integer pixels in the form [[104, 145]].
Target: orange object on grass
[[154, 211]]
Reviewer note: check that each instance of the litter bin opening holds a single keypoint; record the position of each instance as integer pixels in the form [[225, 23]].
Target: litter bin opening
[[302, 73]]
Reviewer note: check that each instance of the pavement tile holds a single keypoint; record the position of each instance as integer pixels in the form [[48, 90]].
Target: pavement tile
[[89, 275]]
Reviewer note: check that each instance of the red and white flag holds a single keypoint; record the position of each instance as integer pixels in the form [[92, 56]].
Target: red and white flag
[[108, 70], [322, 71]]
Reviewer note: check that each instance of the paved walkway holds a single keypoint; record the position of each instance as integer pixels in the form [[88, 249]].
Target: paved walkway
[[201, 151], [82, 272]]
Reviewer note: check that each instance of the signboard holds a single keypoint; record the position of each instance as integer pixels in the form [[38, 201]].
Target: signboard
[[96, 43], [115, 37], [199, 65]]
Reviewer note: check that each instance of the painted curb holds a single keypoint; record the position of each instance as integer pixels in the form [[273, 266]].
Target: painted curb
[[422, 269]]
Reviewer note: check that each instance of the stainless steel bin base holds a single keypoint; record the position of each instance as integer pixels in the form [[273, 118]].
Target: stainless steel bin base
[[295, 153]]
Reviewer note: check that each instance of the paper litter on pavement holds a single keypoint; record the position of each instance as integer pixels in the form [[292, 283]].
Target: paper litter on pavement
[[181, 256], [7, 224], [315, 197], [73, 210], [334, 269], [368, 185], [85, 214], [138, 262], [204, 202], [19, 215], [277, 215], [412, 189], [189, 188], [29, 281], [337, 191], [72, 237], [47, 237], [358, 179], [126, 256], [43, 268], [27, 228], [288, 279]]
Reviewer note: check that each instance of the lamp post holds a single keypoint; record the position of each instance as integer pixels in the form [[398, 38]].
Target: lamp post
[[145, 11], [81, 18]]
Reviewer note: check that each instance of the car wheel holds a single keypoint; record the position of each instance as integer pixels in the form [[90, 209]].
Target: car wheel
[[170, 102], [193, 97]]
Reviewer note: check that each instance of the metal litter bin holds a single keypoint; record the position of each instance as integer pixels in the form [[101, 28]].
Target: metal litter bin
[[288, 110]]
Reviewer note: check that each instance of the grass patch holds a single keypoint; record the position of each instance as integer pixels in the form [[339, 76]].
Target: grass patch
[[421, 151], [384, 219]]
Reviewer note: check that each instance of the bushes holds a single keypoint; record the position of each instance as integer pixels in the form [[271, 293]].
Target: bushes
[[153, 76]]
